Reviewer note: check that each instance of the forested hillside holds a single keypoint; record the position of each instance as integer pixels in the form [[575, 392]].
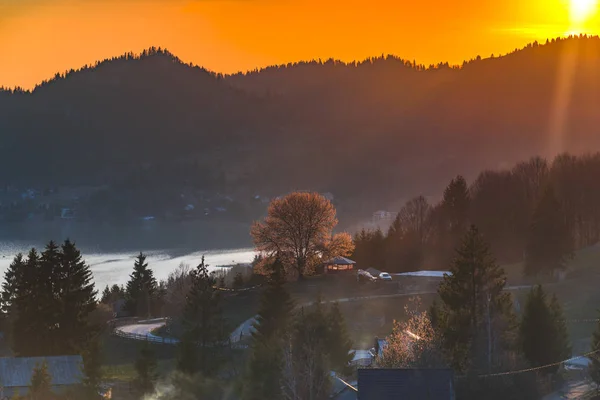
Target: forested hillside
[[372, 133]]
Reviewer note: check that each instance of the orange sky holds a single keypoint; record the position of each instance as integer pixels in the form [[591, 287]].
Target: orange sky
[[41, 37]]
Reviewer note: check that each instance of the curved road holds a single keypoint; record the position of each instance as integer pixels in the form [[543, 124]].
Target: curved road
[[143, 330]]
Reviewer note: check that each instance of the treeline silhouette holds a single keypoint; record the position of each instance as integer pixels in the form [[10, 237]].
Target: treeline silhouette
[[536, 211], [370, 132]]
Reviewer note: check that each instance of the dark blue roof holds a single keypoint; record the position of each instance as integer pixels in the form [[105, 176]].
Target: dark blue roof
[[405, 384]]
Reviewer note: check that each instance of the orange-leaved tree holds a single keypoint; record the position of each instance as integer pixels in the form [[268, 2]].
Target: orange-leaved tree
[[298, 227], [413, 342]]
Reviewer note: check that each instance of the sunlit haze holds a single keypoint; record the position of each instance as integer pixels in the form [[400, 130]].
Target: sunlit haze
[[41, 37]]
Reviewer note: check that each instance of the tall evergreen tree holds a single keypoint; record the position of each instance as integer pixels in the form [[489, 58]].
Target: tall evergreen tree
[[49, 297], [452, 218], [77, 297], [141, 290], [203, 324], [562, 344], [549, 242], [536, 325], [10, 291], [29, 325], [543, 331], [12, 278], [276, 305], [263, 374], [594, 369], [49, 283], [340, 344], [476, 312]]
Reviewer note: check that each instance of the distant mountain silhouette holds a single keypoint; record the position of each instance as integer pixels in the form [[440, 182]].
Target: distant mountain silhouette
[[372, 133]]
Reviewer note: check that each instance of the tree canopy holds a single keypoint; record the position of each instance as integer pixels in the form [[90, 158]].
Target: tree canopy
[[298, 228]]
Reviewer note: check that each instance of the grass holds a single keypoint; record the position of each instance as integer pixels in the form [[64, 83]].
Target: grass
[[126, 372]]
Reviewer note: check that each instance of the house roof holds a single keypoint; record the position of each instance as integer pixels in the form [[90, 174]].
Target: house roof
[[405, 384], [17, 371], [340, 261]]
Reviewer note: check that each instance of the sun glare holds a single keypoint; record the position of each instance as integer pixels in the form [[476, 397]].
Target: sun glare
[[582, 10]]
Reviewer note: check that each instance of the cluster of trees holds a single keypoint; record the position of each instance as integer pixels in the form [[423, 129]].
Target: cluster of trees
[[143, 296], [49, 302], [298, 230], [195, 299], [475, 331], [294, 351], [537, 211]]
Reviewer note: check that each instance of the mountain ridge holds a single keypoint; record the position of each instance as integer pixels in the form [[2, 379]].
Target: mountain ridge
[[372, 133]]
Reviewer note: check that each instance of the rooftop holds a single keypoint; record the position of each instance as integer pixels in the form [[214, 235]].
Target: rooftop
[[17, 371], [405, 384]]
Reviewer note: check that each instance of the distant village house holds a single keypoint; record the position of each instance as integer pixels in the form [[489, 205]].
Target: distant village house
[[16, 373]]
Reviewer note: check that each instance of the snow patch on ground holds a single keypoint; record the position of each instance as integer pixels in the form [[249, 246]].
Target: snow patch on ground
[[428, 274]]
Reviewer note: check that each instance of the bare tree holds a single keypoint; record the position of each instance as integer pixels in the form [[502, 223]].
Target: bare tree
[[296, 227], [414, 217], [176, 288]]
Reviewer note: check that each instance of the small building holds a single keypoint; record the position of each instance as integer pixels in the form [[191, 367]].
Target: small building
[[338, 264], [16, 373], [409, 384]]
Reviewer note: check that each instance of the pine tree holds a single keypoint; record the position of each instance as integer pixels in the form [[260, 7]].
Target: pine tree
[[549, 243], [594, 369], [263, 374], [141, 289], [49, 300], [41, 382], [340, 345], [77, 297], [543, 331], [276, 305], [452, 217], [106, 295], [470, 293], [145, 366], [12, 278], [28, 324], [203, 323], [535, 328], [562, 345]]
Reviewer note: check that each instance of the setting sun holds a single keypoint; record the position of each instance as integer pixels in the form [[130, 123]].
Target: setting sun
[[582, 10]]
